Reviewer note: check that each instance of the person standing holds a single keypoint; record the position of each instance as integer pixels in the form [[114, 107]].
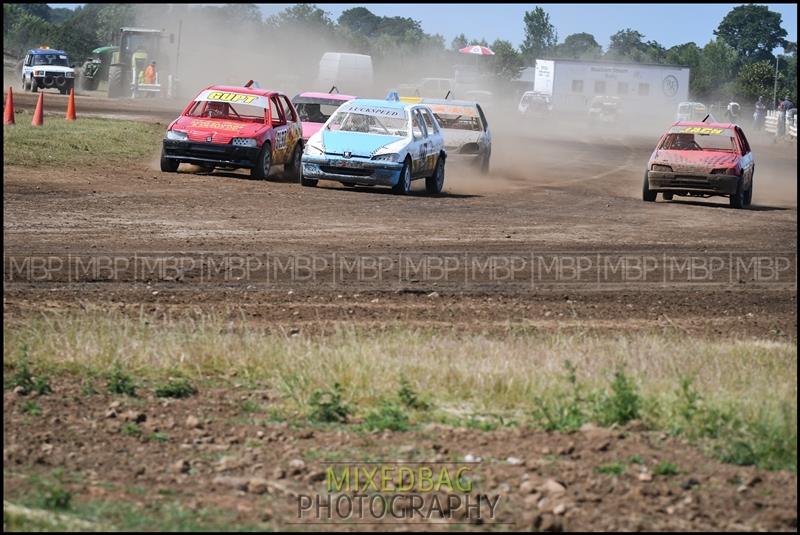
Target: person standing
[[150, 73], [760, 114]]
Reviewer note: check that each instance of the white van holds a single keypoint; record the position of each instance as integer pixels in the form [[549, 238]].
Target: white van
[[350, 73]]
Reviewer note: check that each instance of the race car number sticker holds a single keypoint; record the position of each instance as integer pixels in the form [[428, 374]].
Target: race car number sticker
[[702, 130], [280, 139], [232, 98]]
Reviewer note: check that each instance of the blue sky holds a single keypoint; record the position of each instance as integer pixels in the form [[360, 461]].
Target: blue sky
[[669, 24]]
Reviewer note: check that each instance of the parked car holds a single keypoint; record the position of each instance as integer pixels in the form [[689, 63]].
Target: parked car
[[315, 108], [701, 160], [377, 143], [465, 129], [232, 127]]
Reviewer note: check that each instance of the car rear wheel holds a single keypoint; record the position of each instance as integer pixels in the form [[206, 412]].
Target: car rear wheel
[[435, 182], [294, 167], [648, 195], [667, 196], [168, 165], [403, 185], [263, 164]]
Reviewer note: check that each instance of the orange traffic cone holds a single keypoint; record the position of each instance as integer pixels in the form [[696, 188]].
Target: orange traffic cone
[[38, 113], [8, 112], [71, 105]]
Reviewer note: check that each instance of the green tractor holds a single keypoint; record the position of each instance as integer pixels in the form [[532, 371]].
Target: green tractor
[[128, 61]]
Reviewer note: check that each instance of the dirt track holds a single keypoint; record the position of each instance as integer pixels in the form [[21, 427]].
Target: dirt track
[[549, 194]]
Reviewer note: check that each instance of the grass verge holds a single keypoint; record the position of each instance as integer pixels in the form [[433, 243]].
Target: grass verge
[[85, 142], [735, 397]]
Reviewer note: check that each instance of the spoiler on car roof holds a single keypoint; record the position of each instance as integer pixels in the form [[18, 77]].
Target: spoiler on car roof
[[332, 88], [252, 83]]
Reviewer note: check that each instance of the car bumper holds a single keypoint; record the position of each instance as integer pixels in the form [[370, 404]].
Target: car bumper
[[693, 182], [211, 153], [57, 82], [470, 158], [352, 170]]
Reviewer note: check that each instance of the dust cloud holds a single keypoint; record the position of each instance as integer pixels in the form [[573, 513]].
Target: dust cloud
[[527, 150]]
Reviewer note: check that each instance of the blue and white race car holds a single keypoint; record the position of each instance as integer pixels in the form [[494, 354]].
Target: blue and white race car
[[377, 143]]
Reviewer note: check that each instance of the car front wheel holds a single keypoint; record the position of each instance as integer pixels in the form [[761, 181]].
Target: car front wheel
[[403, 185], [263, 164], [168, 165], [648, 195]]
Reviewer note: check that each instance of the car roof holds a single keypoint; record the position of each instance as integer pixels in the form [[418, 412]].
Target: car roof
[[329, 96], [391, 104], [244, 90], [41, 51], [706, 125], [441, 101]]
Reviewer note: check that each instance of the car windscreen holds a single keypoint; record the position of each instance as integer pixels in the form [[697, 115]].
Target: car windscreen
[[370, 120], [226, 110], [316, 112], [457, 117], [59, 60], [699, 138]]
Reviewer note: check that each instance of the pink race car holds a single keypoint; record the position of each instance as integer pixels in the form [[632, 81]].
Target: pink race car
[[315, 108], [701, 160]]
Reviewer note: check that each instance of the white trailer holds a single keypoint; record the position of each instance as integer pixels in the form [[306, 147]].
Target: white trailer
[[645, 89]]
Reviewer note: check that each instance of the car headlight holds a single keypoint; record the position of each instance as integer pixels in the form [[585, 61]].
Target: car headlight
[[244, 142], [177, 135], [725, 171], [38, 73], [69, 75], [662, 168], [394, 157], [313, 150]]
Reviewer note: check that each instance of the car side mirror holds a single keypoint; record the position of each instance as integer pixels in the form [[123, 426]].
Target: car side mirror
[[72, 66]]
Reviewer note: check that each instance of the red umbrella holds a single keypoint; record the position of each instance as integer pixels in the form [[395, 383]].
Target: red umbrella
[[477, 49]]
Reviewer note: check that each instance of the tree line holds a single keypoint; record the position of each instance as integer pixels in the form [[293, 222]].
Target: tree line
[[738, 63]]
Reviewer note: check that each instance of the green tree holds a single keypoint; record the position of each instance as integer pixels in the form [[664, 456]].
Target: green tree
[[716, 71], [43, 11], [540, 35], [301, 16], [629, 45], [753, 31], [459, 42], [579, 46], [687, 55], [507, 62], [757, 79], [360, 21]]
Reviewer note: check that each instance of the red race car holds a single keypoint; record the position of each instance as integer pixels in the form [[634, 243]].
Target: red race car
[[701, 160], [233, 127]]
